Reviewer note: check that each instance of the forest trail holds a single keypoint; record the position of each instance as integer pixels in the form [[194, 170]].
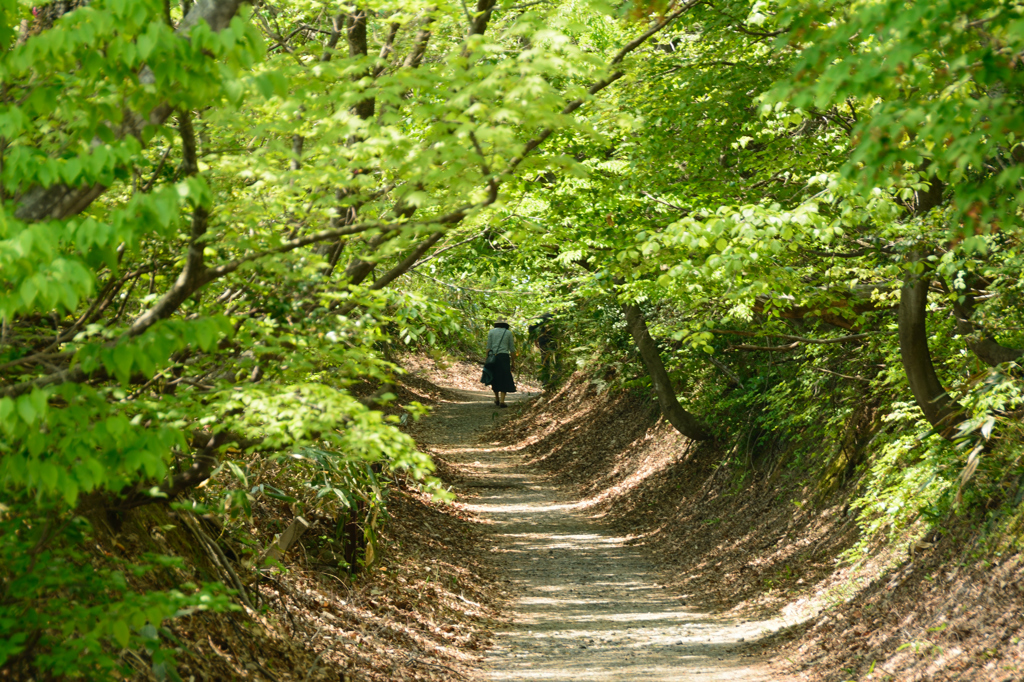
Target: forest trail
[[587, 605]]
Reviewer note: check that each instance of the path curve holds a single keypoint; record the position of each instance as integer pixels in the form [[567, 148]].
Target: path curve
[[588, 606]]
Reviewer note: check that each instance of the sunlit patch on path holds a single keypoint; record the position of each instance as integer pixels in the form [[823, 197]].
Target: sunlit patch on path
[[589, 607]]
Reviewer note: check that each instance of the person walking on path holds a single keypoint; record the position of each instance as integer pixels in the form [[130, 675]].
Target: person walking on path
[[501, 352]]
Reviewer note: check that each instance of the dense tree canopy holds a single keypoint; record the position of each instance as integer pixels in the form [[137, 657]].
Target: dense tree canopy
[[217, 220]]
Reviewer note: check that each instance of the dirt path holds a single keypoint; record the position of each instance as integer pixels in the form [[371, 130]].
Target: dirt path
[[588, 606]]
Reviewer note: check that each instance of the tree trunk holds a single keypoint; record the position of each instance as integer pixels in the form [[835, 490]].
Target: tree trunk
[[939, 409], [357, 47], [684, 422], [984, 345]]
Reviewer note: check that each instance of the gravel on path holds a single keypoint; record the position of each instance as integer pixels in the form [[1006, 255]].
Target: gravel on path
[[588, 606]]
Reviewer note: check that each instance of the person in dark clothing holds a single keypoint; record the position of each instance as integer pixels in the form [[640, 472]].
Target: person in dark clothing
[[543, 332], [501, 347]]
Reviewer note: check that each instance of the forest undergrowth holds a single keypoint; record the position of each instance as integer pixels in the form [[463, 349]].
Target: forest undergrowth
[[423, 612], [754, 537]]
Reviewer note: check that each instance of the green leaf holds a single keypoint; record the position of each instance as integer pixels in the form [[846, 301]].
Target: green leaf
[[205, 333], [119, 629], [27, 410], [6, 410], [237, 471], [155, 615], [123, 364], [29, 290], [146, 364], [39, 400], [145, 44], [48, 475], [69, 490]]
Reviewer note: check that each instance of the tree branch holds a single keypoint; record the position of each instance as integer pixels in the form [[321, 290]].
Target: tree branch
[[419, 48], [406, 262], [386, 49], [447, 248], [358, 47], [981, 342], [726, 371], [337, 24], [202, 464], [760, 34], [799, 339], [192, 277], [601, 84], [684, 211], [771, 349], [844, 376], [361, 267], [856, 306], [291, 245], [394, 273]]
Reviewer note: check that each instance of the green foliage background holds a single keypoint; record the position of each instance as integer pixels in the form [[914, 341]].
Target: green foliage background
[[216, 232]]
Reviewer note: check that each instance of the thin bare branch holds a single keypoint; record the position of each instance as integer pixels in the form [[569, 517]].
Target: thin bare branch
[[685, 211], [447, 248], [844, 376], [603, 83], [798, 339], [406, 262]]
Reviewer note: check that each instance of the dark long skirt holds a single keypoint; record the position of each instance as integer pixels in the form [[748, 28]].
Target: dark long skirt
[[502, 380]]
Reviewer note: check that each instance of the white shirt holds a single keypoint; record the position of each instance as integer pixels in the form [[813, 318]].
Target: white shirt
[[501, 341]]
